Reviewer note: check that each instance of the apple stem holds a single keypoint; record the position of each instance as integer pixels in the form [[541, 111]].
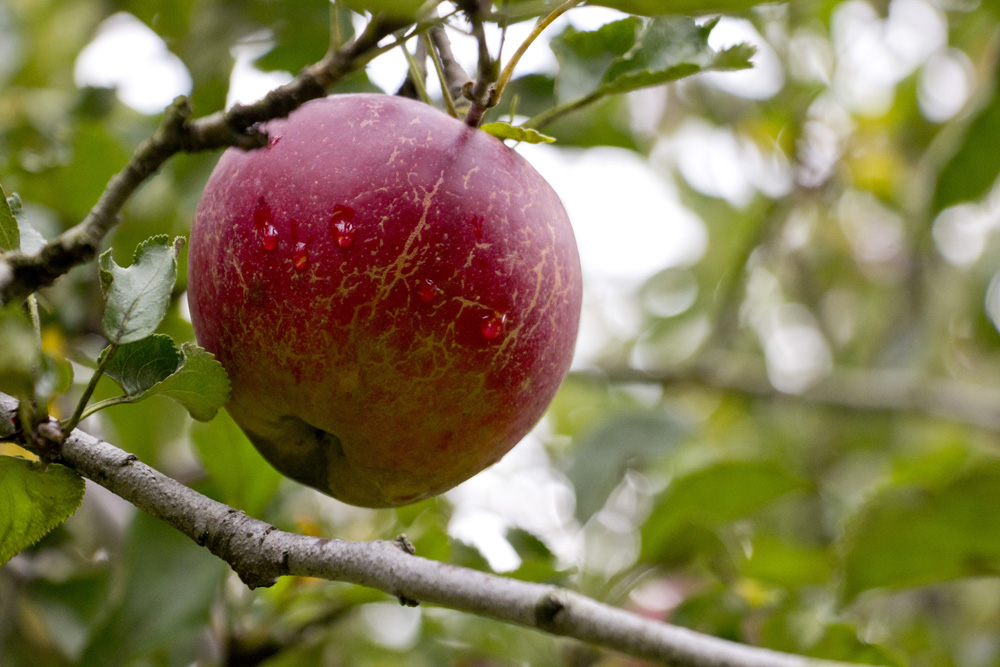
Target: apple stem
[[485, 95], [480, 91]]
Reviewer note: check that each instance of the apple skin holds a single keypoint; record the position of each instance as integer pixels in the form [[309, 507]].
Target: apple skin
[[395, 295]]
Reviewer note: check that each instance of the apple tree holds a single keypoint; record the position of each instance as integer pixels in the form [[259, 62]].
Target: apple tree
[[778, 440]]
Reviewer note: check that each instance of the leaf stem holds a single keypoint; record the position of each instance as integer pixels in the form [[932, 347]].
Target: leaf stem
[[71, 423], [336, 37], [36, 322], [416, 74], [550, 115], [106, 403], [41, 411]]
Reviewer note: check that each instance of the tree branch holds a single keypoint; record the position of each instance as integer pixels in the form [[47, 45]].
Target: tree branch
[[21, 274], [862, 390], [454, 75], [260, 553]]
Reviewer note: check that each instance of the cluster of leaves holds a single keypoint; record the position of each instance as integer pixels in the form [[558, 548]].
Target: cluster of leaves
[[830, 531], [38, 497]]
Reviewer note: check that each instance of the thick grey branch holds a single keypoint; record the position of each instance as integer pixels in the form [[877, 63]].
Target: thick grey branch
[[260, 553], [863, 390], [21, 274]]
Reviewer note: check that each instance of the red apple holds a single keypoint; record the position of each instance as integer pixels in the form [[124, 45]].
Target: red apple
[[394, 294]]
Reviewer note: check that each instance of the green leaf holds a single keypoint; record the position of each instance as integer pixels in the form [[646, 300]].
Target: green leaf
[[137, 366], [55, 378], [975, 166], [584, 56], [538, 563], [30, 240], [166, 586], [154, 366], [787, 564], [17, 353], [200, 384], [625, 55], [658, 7], [670, 49], [918, 535], [34, 499], [138, 296], [10, 237], [502, 130], [834, 641], [603, 457], [714, 496], [527, 545], [302, 34], [243, 478], [397, 9]]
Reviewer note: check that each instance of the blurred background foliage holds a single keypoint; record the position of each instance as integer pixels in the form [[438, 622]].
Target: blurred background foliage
[[789, 438]]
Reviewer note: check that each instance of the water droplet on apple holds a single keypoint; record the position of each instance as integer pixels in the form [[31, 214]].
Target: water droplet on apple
[[272, 140], [477, 225], [300, 256], [492, 325], [428, 290], [341, 225], [343, 232], [270, 237]]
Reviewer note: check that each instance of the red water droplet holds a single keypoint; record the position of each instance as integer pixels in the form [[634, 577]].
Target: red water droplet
[[428, 290], [272, 140], [344, 233], [300, 256], [492, 325], [477, 225], [270, 237], [341, 225]]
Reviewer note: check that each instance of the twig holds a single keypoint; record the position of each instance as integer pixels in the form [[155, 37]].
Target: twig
[[860, 390], [260, 553], [415, 86], [454, 74], [21, 274]]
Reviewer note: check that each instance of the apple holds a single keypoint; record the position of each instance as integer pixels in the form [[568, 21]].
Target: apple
[[395, 295]]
